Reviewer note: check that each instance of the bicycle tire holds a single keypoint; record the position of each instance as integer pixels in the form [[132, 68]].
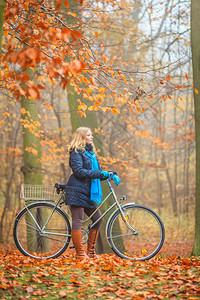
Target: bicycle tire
[[29, 238], [150, 233]]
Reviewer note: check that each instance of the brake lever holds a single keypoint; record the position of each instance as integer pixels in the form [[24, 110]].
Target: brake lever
[[112, 173]]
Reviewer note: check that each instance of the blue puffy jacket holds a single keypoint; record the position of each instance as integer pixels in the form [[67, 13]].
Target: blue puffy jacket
[[78, 186]]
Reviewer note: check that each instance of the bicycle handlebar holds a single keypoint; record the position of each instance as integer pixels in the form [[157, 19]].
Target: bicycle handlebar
[[112, 173]]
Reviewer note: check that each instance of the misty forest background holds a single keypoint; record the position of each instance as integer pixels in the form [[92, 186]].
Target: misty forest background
[[143, 120]]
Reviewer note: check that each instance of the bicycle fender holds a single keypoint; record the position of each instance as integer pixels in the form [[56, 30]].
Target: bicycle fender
[[122, 206]]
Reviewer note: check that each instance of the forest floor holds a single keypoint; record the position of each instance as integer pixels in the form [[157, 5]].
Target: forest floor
[[172, 274]]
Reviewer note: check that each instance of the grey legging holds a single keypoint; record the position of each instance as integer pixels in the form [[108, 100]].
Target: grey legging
[[78, 213]]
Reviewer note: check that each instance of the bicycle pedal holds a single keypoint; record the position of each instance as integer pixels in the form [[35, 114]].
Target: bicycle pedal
[[122, 198]]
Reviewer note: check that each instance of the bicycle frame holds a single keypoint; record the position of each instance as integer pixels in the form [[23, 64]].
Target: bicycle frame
[[116, 203]]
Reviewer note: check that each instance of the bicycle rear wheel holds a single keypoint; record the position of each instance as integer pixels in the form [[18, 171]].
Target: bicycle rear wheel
[[35, 239], [150, 233]]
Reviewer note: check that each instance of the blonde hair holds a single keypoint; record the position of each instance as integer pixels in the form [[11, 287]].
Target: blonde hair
[[78, 139]]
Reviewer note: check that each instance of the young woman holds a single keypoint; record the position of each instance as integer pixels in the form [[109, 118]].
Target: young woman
[[83, 191]]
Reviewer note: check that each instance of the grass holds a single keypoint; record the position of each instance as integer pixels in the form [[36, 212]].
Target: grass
[[107, 277]]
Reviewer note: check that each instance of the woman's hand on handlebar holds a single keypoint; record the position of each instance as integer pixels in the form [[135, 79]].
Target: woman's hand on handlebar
[[116, 179], [105, 174]]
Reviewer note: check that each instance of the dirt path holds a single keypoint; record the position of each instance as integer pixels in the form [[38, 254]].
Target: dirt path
[[179, 248]]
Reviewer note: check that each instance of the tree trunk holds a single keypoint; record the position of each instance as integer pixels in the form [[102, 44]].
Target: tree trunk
[[175, 208], [2, 5], [195, 45], [32, 168], [10, 178]]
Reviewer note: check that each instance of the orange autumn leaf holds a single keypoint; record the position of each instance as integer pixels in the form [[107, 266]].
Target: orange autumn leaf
[[90, 108], [89, 90], [31, 150], [138, 110], [104, 58], [81, 113], [33, 92], [92, 80], [63, 293], [23, 77], [66, 3], [76, 66], [82, 107], [40, 86], [196, 91], [59, 3], [29, 289], [76, 35], [22, 92], [105, 109], [6, 33], [66, 33], [168, 77], [32, 53], [23, 111], [115, 110], [6, 114]]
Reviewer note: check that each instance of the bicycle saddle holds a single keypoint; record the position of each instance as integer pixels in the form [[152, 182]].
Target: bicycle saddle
[[60, 186]]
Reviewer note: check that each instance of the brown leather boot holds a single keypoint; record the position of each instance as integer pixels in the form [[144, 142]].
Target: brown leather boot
[[77, 241], [93, 234]]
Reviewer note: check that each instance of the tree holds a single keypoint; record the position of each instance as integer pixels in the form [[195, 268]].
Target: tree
[[2, 5], [195, 44]]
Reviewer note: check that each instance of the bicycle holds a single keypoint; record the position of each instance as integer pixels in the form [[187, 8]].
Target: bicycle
[[42, 229]]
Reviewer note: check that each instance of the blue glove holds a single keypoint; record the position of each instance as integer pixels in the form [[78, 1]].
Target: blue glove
[[105, 174], [116, 179]]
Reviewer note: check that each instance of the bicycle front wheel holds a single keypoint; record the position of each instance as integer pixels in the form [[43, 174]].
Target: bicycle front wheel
[[147, 239], [42, 231]]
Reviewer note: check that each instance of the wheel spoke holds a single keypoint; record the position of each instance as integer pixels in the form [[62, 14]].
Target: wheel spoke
[[30, 226], [122, 235]]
